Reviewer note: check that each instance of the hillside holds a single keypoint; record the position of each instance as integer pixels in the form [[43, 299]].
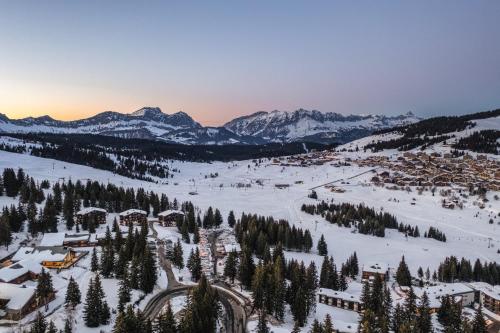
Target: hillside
[[478, 132]]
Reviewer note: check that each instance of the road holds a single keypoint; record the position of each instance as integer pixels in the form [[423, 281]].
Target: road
[[338, 180], [235, 304]]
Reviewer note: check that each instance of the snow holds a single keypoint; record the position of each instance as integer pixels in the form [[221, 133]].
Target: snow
[[16, 295], [133, 211], [468, 231], [88, 210], [53, 239], [170, 212]]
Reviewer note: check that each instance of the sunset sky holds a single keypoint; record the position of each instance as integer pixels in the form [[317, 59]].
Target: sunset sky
[[219, 59]]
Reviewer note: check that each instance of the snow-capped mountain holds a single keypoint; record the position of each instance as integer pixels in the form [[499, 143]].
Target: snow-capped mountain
[[258, 128], [304, 125]]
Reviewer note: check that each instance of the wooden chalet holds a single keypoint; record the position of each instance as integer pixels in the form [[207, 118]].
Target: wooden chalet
[[340, 299], [168, 218], [18, 301], [88, 213], [133, 216]]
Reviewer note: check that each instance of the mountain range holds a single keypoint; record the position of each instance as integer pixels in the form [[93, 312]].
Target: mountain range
[[258, 128]]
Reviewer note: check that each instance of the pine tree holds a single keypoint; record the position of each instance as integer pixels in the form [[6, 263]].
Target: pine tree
[[322, 246], [194, 265], [479, 324], [5, 233], [73, 295], [178, 259], [68, 327], [231, 220], [149, 272], [327, 324], [424, 323], [123, 292], [218, 218], [196, 234], [403, 276], [166, 321], [231, 269], [52, 328], [94, 262], [39, 325], [44, 287], [246, 267], [202, 309], [262, 323]]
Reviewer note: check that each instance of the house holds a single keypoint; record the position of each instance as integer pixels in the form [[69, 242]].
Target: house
[[20, 272], [340, 299], [53, 239], [78, 240], [370, 271], [88, 213], [169, 217], [460, 292], [56, 257], [17, 301], [488, 296], [133, 216]]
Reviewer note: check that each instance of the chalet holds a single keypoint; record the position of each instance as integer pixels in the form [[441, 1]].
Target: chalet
[[458, 291], [133, 216], [488, 296], [88, 213], [17, 301], [20, 272], [56, 257], [370, 271], [340, 299], [78, 240], [168, 218]]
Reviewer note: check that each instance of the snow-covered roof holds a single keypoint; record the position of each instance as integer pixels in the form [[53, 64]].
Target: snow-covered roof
[[435, 293], [376, 268], [53, 239], [23, 253], [88, 210], [170, 212], [77, 237], [16, 295], [18, 269], [230, 247], [354, 297], [133, 211], [488, 289]]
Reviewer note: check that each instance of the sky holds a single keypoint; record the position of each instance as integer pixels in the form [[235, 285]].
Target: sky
[[217, 60]]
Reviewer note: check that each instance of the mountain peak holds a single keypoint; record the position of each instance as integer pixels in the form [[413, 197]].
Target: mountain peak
[[147, 111]]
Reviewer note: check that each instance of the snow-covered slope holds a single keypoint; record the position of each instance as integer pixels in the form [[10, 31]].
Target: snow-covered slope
[[283, 126], [258, 128]]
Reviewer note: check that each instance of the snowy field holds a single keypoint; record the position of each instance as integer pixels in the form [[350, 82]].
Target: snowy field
[[467, 230]]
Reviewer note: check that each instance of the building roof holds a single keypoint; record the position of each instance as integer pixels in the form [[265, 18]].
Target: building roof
[[77, 237], [17, 296], [171, 212], [353, 297], [435, 293], [133, 211], [230, 247], [88, 210], [53, 239], [376, 268], [18, 269], [23, 253], [487, 289]]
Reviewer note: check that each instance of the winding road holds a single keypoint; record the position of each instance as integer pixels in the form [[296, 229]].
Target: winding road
[[237, 306]]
